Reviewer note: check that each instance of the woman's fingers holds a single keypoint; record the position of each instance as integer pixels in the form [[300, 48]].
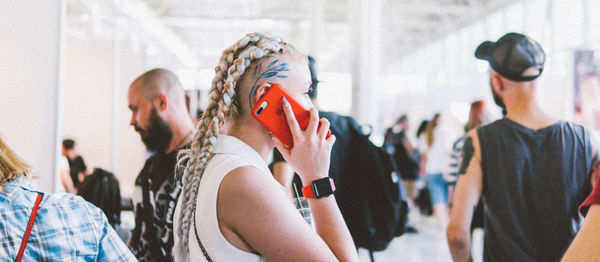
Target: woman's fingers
[[291, 119], [323, 128], [285, 152], [313, 122], [331, 140]]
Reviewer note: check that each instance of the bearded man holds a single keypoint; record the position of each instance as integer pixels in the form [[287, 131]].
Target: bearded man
[[157, 103]]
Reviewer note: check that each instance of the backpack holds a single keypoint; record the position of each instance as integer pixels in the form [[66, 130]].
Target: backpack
[[369, 193], [101, 188], [407, 165]]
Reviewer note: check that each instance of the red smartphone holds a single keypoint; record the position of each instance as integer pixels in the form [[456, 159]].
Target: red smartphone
[[269, 112]]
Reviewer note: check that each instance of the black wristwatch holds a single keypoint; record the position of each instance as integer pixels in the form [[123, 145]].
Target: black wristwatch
[[319, 188]]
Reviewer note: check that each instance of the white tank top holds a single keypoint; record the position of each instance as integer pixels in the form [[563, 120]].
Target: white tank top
[[230, 153]]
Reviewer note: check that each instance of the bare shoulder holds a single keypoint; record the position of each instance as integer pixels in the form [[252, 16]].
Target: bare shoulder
[[246, 180], [246, 190]]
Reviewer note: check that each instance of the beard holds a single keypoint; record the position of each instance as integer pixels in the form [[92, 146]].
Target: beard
[[498, 100], [157, 135]]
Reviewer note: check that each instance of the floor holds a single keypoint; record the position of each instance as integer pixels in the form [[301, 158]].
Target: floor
[[428, 244]]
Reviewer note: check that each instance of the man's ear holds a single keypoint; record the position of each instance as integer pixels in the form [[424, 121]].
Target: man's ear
[[161, 102], [496, 83], [261, 90]]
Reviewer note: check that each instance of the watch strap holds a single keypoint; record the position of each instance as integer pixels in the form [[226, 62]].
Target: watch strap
[[307, 191]]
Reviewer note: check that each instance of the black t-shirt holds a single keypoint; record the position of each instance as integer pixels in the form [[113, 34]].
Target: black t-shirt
[[152, 237], [76, 166]]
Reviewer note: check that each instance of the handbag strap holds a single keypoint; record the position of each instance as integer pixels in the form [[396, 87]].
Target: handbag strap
[[198, 239], [29, 227]]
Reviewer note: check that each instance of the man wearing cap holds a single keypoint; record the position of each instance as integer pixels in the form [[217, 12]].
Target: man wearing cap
[[531, 169]]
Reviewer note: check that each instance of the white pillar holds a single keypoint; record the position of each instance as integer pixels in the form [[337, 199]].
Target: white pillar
[[587, 27], [317, 28], [115, 91], [366, 52], [31, 90]]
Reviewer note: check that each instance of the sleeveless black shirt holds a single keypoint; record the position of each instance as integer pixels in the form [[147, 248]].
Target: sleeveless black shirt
[[533, 182]]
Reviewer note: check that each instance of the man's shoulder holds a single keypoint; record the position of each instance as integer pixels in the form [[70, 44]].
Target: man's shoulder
[[493, 124]]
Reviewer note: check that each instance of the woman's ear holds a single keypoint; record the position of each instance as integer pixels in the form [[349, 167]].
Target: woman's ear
[[261, 90]]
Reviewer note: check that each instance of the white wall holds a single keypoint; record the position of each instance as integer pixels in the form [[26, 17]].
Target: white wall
[[130, 152], [97, 121], [30, 88], [88, 99]]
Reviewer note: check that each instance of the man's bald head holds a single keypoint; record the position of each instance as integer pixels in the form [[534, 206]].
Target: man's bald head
[[157, 81]]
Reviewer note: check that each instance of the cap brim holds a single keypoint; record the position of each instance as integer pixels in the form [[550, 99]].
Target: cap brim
[[484, 50]]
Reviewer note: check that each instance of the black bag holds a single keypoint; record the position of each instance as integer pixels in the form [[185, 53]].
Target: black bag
[[370, 195], [423, 202], [101, 188], [407, 165]]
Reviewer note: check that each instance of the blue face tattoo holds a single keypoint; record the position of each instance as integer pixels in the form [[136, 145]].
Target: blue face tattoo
[[275, 69]]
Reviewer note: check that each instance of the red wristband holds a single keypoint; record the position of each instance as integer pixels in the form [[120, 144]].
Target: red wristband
[[308, 191]]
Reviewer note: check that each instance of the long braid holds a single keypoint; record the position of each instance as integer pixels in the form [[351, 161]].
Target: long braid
[[223, 104]]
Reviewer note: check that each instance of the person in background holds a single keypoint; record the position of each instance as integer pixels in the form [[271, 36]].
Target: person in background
[[77, 167], [65, 227], [404, 149], [531, 169], [478, 115], [159, 115], [64, 177], [436, 146]]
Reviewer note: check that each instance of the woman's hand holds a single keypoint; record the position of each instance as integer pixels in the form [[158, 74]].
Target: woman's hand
[[311, 152]]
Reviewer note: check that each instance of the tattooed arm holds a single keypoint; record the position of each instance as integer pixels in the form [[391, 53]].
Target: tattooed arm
[[466, 196]]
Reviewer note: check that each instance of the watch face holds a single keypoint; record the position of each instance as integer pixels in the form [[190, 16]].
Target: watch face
[[322, 187]]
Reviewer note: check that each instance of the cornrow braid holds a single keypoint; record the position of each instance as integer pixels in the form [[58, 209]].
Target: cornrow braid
[[223, 104]]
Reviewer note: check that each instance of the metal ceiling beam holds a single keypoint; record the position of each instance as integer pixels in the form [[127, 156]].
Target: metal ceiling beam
[[478, 14], [431, 9], [203, 23], [224, 23], [152, 25]]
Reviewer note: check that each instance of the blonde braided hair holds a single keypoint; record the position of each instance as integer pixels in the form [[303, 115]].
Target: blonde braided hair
[[224, 104]]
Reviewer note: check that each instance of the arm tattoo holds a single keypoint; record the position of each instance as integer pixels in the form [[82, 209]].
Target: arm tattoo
[[273, 70], [467, 154]]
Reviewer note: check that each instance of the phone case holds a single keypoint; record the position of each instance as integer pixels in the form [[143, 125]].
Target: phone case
[[269, 112]]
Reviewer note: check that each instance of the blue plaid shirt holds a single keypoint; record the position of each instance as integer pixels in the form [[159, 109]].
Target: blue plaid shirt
[[67, 228]]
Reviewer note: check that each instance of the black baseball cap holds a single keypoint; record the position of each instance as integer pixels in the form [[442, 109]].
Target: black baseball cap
[[514, 56]]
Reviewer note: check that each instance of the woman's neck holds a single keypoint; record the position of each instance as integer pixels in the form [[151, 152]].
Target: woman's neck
[[253, 134]]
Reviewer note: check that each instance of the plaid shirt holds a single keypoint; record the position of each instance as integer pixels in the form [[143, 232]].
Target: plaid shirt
[[67, 228]]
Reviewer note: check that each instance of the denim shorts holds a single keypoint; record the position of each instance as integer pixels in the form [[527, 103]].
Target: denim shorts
[[437, 188]]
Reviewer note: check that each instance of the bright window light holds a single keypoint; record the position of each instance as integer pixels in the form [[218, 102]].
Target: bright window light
[[460, 111], [335, 92], [205, 77]]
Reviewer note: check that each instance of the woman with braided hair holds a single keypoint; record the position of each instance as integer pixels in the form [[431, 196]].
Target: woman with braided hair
[[231, 208]]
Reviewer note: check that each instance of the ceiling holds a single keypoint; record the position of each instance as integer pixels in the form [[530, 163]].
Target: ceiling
[[325, 28]]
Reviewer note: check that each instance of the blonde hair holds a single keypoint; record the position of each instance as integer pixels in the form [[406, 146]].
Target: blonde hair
[[11, 165], [430, 128], [224, 104]]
